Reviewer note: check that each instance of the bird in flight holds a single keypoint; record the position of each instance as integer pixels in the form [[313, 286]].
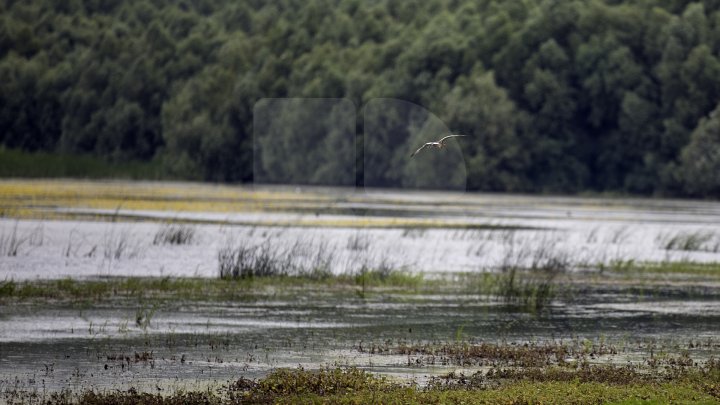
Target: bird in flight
[[438, 144]]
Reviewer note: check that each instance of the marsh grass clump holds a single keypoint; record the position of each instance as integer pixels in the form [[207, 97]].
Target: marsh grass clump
[[531, 290], [245, 262], [358, 242], [302, 258], [11, 242], [301, 383], [690, 241], [120, 245], [527, 275], [174, 234], [7, 288]]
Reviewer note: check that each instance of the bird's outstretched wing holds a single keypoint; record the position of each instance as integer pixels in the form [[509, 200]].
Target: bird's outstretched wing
[[442, 141], [419, 149]]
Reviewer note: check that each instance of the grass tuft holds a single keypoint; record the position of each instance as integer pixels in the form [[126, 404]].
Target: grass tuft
[[174, 234], [11, 242], [299, 383], [690, 241]]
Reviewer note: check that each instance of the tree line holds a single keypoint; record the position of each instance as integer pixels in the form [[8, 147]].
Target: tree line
[[560, 96]]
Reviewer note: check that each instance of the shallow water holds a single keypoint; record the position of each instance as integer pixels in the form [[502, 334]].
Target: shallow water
[[203, 345], [418, 232], [208, 344]]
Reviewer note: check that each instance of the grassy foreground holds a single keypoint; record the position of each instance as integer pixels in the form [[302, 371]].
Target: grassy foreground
[[355, 386]]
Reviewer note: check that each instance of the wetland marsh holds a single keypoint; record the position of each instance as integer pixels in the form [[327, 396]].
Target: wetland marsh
[[174, 289]]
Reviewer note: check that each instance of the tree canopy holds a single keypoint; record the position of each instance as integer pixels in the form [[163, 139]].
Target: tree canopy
[[558, 96]]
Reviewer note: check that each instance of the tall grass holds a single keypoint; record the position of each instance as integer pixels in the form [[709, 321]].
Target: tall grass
[[120, 244], [358, 242], [690, 241], [174, 234], [302, 258], [531, 286], [10, 242]]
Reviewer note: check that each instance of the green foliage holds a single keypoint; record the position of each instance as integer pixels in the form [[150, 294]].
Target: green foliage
[[16, 163], [287, 383], [355, 386], [558, 96], [700, 161]]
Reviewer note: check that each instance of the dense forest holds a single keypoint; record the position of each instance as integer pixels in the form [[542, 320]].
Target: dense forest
[[559, 96]]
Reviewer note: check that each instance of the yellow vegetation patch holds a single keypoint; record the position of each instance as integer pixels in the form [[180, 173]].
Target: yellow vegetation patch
[[127, 200], [21, 198]]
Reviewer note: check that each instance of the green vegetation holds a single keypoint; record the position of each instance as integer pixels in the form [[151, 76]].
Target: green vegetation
[[681, 268], [16, 163], [353, 386], [692, 241], [174, 234], [198, 288], [567, 96], [532, 290]]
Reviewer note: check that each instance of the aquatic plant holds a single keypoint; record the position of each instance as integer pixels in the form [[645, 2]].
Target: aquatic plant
[[414, 232], [143, 316], [11, 242], [690, 241], [7, 288], [174, 234], [120, 244], [527, 273], [358, 242], [301, 258]]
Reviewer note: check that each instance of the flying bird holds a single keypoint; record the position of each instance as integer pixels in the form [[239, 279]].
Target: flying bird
[[438, 144]]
